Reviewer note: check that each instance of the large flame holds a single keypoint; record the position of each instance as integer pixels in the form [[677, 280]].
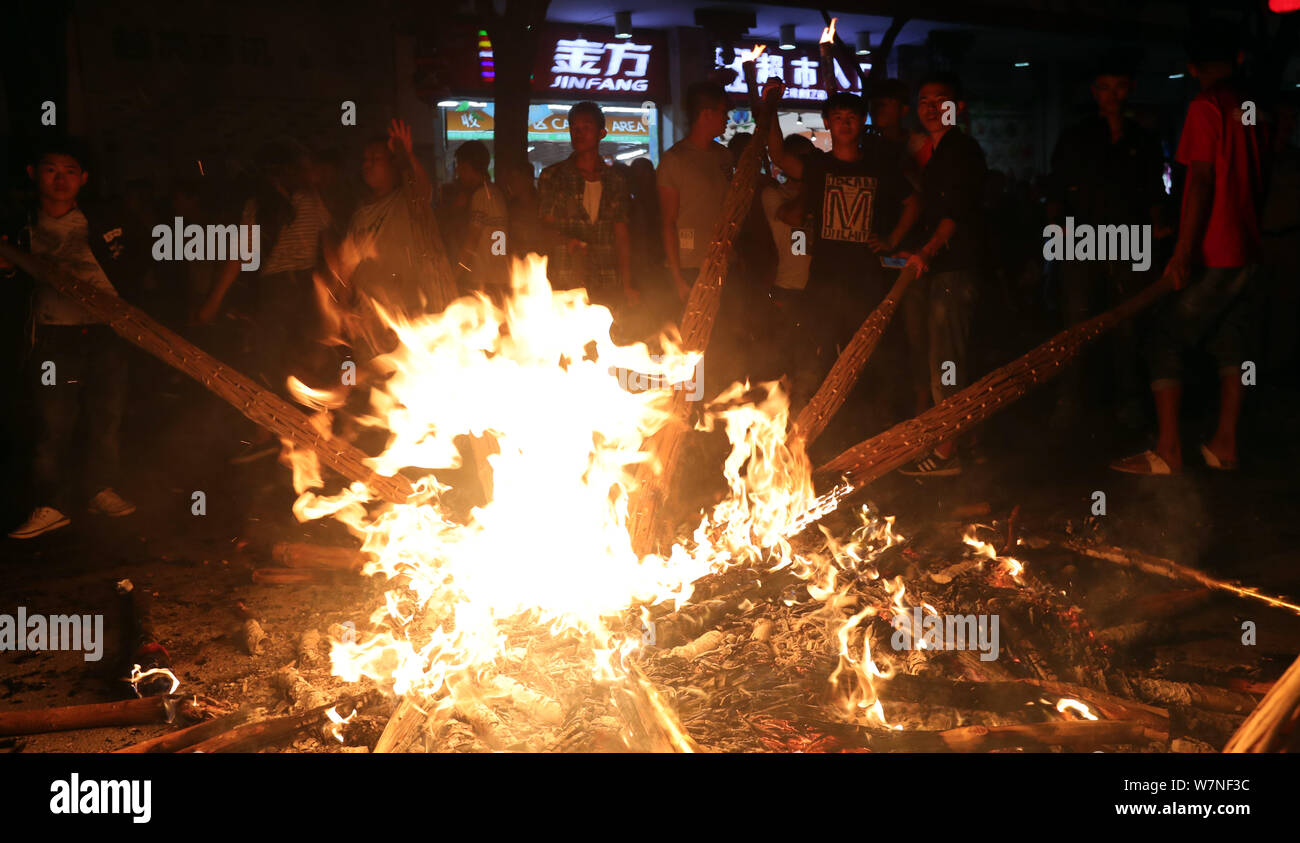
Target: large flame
[[522, 389]]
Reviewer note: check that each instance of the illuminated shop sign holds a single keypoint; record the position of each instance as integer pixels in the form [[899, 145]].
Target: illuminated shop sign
[[605, 66], [799, 70], [571, 63]]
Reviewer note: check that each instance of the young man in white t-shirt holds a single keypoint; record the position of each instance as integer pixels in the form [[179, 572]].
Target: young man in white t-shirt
[[77, 361], [792, 352]]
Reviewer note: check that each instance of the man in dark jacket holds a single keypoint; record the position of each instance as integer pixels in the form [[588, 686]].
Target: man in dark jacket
[[1106, 170], [76, 364], [952, 173]]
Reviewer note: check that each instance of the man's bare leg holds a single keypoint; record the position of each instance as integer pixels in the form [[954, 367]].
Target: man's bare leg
[[1224, 443], [1168, 442]]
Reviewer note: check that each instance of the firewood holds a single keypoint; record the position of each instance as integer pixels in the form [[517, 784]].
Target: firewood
[[1191, 694], [1272, 726], [881, 454], [133, 712], [694, 619], [1213, 727], [259, 405], [487, 724], [655, 477], [141, 647], [711, 640], [1015, 695], [1173, 570], [1076, 735], [403, 727], [303, 555], [835, 389], [309, 654], [1128, 635], [174, 741], [252, 636], [251, 737], [300, 692]]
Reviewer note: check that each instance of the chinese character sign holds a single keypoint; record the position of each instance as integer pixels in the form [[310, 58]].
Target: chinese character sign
[[600, 66], [800, 73]]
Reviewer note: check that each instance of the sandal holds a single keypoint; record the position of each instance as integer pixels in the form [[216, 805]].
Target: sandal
[[1147, 462], [1214, 462]]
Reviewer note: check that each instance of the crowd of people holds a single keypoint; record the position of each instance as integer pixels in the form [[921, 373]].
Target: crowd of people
[[825, 235]]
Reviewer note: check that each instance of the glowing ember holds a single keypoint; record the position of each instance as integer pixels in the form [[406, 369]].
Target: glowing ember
[[1007, 565], [1079, 708]]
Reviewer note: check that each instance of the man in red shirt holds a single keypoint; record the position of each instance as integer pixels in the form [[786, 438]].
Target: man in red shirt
[[1214, 259]]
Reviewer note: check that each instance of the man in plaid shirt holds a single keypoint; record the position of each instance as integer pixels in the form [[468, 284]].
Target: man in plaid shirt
[[585, 201]]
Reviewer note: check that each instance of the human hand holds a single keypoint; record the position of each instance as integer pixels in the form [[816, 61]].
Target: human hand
[[399, 136], [1179, 269], [916, 261]]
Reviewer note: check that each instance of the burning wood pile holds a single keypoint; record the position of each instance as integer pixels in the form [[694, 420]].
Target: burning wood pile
[[982, 653]]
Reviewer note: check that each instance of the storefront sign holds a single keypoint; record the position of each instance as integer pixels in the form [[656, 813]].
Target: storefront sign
[[604, 66], [572, 63], [799, 69]]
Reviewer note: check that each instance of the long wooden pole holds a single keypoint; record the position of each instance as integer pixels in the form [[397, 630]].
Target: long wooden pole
[[1174, 571], [173, 741], [259, 405], [133, 712], [656, 474], [830, 396], [1272, 727], [881, 454]]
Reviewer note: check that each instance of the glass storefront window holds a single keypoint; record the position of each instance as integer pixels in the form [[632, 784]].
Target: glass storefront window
[[632, 131]]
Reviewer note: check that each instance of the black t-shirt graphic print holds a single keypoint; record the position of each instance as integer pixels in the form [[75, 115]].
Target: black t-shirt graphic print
[[849, 201], [847, 206]]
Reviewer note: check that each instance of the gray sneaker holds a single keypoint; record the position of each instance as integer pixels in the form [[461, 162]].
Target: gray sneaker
[[42, 520], [110, 503]]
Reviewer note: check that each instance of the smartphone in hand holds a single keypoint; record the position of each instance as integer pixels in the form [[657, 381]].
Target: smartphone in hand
[[893, 263]]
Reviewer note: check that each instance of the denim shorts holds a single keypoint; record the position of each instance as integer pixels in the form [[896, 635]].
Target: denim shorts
[[1216, 310]]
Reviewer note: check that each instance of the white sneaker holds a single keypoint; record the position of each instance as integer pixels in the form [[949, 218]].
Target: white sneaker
[[110, 503], [42, 520]]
